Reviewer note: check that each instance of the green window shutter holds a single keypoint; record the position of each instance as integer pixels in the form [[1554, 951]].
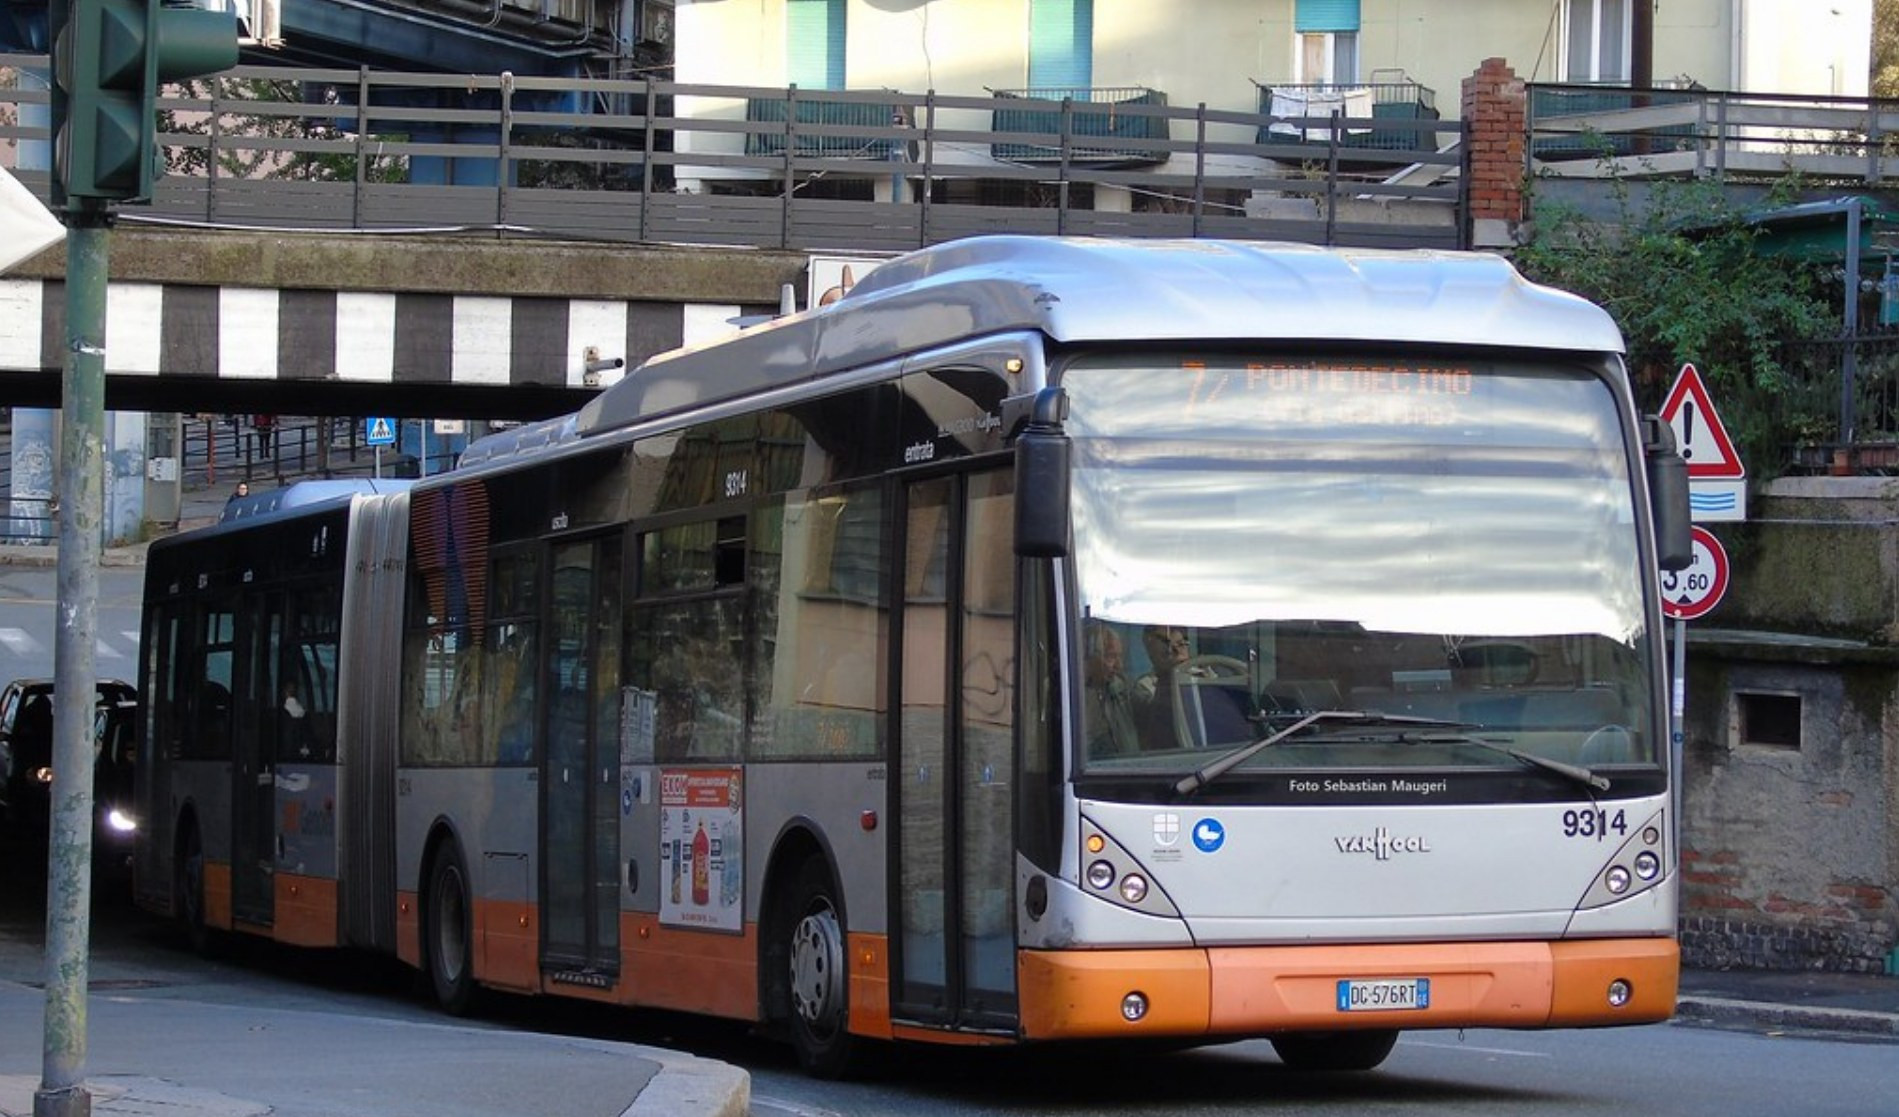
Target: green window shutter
[[814, 44], [1325, 15], [1061, 44]]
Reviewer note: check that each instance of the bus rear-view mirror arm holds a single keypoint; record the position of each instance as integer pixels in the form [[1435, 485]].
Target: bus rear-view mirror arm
[[1668, 495], [1042, 465]]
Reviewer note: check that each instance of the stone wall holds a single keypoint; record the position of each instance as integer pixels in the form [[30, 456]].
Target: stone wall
[[1790, 835]]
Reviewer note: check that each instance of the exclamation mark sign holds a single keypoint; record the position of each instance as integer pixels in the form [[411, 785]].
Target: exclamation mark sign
[[1687, 429]]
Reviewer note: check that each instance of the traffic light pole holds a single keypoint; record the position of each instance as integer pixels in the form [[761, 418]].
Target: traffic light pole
[[62, 1091]]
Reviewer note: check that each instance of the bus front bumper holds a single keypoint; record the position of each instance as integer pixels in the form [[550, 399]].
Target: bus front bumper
[[1263, 990]]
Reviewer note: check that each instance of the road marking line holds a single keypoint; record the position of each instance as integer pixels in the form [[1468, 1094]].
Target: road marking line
[[1409, 1042]]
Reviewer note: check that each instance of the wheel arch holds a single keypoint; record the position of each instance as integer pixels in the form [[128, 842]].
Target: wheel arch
[[799, 840]]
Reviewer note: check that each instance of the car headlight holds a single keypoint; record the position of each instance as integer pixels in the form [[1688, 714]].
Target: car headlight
[[43, 775], [120, 821]]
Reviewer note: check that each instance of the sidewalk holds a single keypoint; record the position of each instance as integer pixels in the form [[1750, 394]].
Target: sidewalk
[[1862, 1004], [150, 1055]]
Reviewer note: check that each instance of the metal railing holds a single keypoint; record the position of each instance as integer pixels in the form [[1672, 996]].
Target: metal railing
[[1596, 131], [656, 161]]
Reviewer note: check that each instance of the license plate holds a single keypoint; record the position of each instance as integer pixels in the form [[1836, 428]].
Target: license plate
[[1385, 996]]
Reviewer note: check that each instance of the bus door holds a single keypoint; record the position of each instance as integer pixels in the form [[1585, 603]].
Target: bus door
[[254, 761], [955, 833], [580, 780]]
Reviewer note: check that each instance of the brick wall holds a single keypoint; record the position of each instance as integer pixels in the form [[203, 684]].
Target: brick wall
[[1494, 105]]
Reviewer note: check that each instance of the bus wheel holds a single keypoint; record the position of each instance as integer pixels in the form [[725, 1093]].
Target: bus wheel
[[188, 891], [449, 932], [1335, 1051], [819, 991]]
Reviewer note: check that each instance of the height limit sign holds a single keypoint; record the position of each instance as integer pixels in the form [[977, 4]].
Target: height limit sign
[[1691, 593]]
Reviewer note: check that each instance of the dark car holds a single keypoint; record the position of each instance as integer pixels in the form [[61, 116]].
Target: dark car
[[26, 762]]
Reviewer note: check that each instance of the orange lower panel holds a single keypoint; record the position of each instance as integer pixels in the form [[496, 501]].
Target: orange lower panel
[[305, 911], [408, 929], [1652, 967], [1077, 994], [870, 984], [217, 894], [507, 946], [692, 971], [1236, 991]]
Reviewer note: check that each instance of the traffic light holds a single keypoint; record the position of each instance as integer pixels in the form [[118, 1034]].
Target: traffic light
[[109, 57]]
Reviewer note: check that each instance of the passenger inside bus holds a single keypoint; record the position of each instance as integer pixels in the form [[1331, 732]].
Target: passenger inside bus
[[1167, 648], [1108, 718]]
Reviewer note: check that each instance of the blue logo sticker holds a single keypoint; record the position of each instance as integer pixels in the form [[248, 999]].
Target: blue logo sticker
[[1208, 835]]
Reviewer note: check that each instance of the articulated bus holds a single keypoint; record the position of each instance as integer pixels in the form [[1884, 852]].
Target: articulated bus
[[1052, 639]]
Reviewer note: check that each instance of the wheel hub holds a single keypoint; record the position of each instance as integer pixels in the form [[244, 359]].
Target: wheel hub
[[817, 963]]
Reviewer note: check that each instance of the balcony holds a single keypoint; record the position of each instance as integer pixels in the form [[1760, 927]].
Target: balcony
[[814, 127], [1321, 113], [1100, 127], [1599, 121]]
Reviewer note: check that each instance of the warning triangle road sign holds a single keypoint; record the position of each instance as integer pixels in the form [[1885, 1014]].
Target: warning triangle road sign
[[1699, 434]]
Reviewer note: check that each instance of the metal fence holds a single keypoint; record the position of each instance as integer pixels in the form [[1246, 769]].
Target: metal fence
[[657, 161], [1596, 131], [1845, 425]]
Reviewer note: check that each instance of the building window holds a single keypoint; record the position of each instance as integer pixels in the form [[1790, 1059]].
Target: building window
[[1061, 44], [814, 44], [1597, 32], [1768, 720], [1327, 42]]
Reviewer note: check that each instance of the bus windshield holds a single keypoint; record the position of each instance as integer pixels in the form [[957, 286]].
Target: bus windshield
[[1258, 538]]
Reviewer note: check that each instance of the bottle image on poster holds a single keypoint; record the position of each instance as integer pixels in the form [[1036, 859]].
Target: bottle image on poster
[[701, 868], [674, 850]]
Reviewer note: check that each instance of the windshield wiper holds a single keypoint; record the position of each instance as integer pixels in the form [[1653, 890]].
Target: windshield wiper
[[1225, 763], [1575, 772]]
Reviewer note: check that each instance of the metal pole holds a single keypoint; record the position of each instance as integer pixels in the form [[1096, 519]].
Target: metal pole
[[62, 1092], [1678, 705], [1849, 352]]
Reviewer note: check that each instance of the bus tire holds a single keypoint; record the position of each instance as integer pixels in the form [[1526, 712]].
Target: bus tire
[[819, 989], [188, 890], [1335, 1051], [448, 932]]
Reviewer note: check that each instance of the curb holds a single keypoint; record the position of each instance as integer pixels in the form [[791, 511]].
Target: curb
[[687, 1084], [1758, 1014]]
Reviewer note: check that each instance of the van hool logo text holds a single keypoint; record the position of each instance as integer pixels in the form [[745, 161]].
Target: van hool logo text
[[1382, 844]]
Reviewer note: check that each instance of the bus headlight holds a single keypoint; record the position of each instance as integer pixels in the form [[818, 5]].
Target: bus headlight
[[1647, 865], [1100, 875], [119, 822], [1617, 878], [1134, 888]]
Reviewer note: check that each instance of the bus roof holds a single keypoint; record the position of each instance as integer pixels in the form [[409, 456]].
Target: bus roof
[[303, 496], [1076, 289]]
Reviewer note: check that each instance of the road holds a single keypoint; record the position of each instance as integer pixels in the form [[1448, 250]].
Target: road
[[29, 621], [1675, 1070]]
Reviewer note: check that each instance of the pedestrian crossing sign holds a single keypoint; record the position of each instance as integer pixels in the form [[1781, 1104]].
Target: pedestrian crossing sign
[[379, 431]]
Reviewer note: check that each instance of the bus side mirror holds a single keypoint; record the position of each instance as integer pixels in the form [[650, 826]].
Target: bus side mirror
[[1668, 496], [1042, 468]]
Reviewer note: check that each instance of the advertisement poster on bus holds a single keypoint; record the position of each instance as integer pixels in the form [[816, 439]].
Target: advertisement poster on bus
[[701, 848]]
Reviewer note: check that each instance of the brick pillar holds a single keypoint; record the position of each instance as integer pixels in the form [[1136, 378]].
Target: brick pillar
[[1494, 110]]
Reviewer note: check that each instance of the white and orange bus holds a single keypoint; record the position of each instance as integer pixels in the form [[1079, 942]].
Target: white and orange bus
[[1050, 639]]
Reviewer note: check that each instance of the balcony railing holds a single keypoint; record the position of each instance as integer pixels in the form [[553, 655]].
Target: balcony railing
[[820, 125], [1100, 126], [1592, 131], [666, 162], [1380, 115]]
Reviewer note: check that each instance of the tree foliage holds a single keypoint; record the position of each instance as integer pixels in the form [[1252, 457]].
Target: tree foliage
[[1684, 278], [1885, 76]]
